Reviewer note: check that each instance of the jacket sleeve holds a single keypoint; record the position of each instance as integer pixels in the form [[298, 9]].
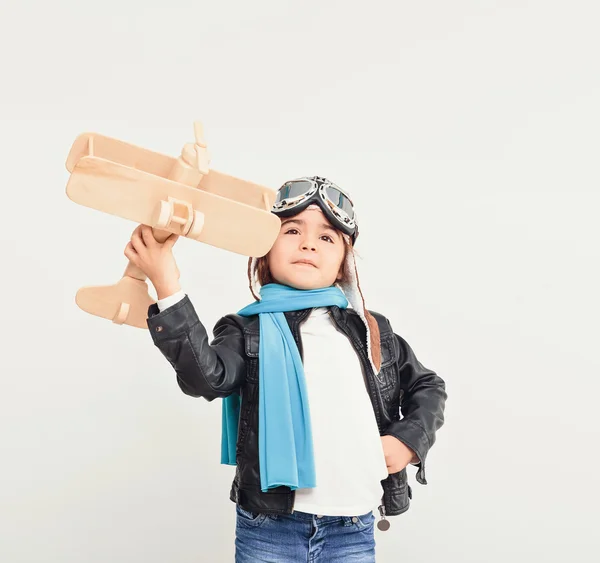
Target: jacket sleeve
[[422, 406], [209, 370]]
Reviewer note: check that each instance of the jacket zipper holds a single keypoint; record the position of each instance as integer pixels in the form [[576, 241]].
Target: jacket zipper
[[384, 523]]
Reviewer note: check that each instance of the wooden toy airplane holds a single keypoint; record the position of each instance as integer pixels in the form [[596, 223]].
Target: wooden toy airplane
[[171, 195]]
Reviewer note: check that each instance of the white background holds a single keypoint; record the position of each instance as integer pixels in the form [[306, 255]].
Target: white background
[[467, 133]]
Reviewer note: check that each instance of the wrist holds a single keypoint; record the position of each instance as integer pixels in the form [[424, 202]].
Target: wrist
[[166, 289]]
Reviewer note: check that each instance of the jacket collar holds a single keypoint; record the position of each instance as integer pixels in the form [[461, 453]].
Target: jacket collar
[[296, 317]]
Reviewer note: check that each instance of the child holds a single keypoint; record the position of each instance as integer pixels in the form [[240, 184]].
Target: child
[[312, 388]]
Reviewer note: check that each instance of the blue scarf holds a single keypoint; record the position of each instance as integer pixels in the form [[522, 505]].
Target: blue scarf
[[284, 429]]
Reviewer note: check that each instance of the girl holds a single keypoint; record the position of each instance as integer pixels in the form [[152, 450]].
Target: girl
[[312, 384]]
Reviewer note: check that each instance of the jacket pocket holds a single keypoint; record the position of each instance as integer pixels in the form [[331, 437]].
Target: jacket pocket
[[389, 351], [252, 345], [388, 379]]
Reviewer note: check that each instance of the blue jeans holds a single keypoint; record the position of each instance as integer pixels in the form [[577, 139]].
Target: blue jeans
[[303, 537]]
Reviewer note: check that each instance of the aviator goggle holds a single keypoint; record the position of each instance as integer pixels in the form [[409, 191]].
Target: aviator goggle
[[296, 195]]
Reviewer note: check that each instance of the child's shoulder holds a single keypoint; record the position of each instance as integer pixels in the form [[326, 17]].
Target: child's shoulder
[[384, 324], [243, 323]]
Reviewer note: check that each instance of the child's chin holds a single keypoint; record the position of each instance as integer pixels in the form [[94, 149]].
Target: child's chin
[[307, 284], [305, 280]]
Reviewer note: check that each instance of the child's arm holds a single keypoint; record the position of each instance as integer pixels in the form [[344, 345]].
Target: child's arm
[[203, 369], [209, 370], [422, 406]]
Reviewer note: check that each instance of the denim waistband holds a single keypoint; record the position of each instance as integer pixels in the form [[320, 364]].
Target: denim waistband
[[348, 520]]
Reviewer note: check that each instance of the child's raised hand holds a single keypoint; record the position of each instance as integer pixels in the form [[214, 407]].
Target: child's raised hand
[[155, 259], [397, 454]]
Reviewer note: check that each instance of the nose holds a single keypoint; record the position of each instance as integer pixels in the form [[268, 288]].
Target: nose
[[309, 247], [309, 242]]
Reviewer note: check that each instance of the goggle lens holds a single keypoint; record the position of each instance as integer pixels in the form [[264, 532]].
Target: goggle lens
[[292, 190], [340, 201]]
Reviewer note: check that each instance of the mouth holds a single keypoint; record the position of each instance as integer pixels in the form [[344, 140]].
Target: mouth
[[305, 263]]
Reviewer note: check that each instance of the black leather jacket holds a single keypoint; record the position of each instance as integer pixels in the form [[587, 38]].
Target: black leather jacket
[[230, 362]]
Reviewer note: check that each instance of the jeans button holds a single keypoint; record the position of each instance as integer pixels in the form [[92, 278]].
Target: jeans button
[[354, 519]]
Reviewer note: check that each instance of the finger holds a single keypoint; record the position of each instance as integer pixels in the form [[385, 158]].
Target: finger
[[170, 242], [131, 249], [137, 242], [137, 230], [147, 235], [130, 252]]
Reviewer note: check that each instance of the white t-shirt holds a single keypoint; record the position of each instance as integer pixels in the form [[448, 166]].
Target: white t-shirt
[[349, 459]]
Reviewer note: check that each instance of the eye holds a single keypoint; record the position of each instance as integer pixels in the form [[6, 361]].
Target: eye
[[290, 230], [328, 237]]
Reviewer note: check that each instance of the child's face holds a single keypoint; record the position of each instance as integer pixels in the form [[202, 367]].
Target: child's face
[[307, 236]]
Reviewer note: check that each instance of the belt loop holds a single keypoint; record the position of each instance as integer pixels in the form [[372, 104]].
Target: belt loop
[[347, 520]]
